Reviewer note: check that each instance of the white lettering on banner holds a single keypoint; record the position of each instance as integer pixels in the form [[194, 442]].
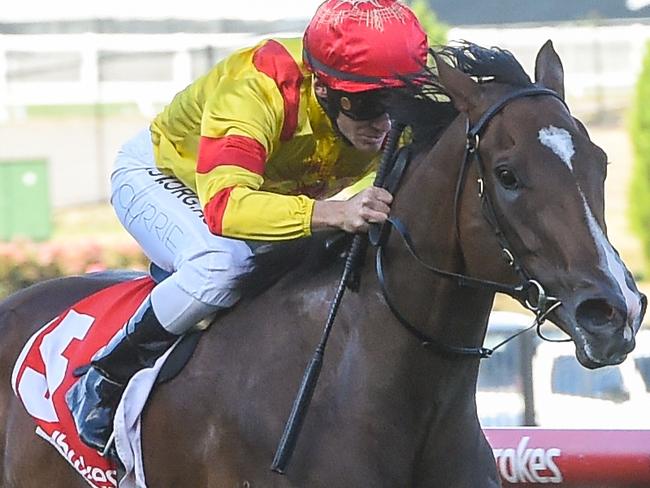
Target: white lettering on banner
[[528, 465], [91, 473]]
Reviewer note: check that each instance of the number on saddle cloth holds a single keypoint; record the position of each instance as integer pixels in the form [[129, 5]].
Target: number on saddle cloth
[[43, 375]]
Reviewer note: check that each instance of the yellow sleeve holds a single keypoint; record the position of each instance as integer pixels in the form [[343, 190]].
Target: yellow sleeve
[[260, 215], [241, 125]]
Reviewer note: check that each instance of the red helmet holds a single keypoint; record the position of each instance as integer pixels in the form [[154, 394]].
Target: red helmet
[[359, 45]]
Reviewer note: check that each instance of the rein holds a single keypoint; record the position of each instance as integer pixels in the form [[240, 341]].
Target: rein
[[530, 293], [537, 301], [349, 278]]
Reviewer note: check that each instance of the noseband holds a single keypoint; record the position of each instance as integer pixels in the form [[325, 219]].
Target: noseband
[[530, 293]]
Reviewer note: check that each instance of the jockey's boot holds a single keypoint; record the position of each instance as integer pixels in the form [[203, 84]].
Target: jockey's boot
[[94, 398]]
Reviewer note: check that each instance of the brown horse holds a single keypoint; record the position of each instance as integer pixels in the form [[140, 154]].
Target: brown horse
[[387, 412]]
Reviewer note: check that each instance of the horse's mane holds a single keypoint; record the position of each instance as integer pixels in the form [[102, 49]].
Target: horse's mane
[[485, 64], [424, 105]]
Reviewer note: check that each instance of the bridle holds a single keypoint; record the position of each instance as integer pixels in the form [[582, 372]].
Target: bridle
[[529, 292]]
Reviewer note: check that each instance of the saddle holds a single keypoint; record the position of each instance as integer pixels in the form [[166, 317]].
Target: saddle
[[272, 261]]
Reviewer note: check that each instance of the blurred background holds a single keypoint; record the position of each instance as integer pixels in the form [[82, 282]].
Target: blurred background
[[78, 78]]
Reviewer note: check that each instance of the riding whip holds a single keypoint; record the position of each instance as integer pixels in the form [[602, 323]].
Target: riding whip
[[296, 418]]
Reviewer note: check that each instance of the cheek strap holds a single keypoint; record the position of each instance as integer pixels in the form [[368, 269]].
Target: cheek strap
[[331, 106]]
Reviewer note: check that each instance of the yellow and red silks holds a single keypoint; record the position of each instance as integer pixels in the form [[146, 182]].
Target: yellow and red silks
[[252, 140]]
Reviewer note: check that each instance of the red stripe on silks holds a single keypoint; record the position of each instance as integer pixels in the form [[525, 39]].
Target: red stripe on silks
[[235, 150], [215, 209], [274, 60]]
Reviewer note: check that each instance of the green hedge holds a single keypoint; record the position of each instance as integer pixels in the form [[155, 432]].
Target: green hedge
[[436, 30], [24, 263], [640, 186]]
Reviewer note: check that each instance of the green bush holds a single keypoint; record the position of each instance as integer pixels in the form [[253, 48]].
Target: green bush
[[436, 30], [640, 185], [24, 263]]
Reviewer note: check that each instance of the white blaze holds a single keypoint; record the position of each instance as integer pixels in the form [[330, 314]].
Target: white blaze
[[609, 261], [560, 142]]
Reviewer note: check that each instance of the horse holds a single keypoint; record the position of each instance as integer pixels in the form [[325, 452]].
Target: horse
[[504, 192]]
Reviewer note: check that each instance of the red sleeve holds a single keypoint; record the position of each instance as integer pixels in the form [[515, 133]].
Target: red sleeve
[[241, 151]]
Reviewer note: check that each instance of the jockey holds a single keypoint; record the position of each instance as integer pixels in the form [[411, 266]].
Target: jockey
[[253, 150]]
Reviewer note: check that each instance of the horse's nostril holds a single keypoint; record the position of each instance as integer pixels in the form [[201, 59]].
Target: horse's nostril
[[596, 312]]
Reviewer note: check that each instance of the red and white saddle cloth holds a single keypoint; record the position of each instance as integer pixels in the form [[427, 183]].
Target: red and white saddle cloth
[[43, 374]]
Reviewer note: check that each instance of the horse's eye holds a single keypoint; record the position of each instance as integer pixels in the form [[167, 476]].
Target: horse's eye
[[507, 178]]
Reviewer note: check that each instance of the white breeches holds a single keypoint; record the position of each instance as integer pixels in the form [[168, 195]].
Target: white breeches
[[165, 218]]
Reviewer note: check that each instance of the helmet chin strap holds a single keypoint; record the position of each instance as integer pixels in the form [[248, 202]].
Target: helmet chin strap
[[332, 109], [333, 112]]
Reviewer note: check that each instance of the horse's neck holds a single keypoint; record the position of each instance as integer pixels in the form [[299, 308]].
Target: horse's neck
[[435, 305], [425, 203]]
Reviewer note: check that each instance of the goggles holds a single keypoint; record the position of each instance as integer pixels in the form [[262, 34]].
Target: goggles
[[359, 106]]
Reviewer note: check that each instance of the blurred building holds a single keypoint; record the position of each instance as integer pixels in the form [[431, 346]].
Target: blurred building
[[473, 12], [73, 87]]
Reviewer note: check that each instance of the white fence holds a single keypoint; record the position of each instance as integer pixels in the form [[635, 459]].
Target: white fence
[[601, 65], [147, 70], [80, 69], [601, 62]]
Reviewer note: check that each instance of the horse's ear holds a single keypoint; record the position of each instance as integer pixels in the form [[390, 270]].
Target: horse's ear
[[463, 91], [548, 69]]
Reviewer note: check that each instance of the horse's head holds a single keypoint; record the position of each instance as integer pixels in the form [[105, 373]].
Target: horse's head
[[545, 180]]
